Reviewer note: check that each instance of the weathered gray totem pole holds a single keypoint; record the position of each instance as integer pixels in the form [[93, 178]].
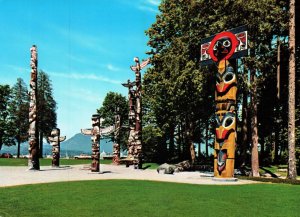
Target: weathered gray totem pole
[[137, 153], [33, 160], [116, 146], [55, 140], [95, 138], [131, 118]]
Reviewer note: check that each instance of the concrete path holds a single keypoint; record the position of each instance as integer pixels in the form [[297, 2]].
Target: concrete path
[[12, 176]]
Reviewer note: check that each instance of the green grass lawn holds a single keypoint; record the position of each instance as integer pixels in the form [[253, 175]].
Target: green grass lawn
[[46, 162], [145, 198]]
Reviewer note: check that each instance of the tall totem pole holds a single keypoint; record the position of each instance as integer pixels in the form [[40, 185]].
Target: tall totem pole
[[116, 146], [131, 118], [220, 49], [138, 110], [33, 160], [95, 138], [55, 140]]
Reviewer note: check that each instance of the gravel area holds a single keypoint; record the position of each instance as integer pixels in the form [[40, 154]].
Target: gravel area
[[12, 176]]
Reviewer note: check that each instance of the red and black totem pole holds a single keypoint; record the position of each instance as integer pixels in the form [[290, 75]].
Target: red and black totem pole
[[116, 146], [55, 140], [33, 160], [95, 138], [137, 153], [131, 118], [222, 49]]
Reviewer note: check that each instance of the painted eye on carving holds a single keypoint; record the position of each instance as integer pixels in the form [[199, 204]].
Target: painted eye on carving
[[226, 43], [228, 122], [218, 43], [229, 77]]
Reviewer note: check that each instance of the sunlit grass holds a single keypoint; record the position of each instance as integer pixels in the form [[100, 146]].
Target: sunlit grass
[[145, 198]]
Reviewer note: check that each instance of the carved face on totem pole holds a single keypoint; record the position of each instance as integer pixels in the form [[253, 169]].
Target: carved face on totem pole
[[225, 138], [221, 49]]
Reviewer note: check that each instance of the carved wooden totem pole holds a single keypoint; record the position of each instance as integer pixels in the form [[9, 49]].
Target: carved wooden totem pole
[[55, 140], [137, 153], [116, 146], [220, 48], [95, 137], [131, 118], [33, 160]]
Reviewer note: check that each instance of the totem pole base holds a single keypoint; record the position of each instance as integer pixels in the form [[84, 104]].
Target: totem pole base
[[225, 179]]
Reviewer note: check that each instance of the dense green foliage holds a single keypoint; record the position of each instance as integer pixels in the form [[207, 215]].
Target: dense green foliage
[[14, 109], [179, 93], [6, 134], [115, 104], [46, 112], [19, 112], [145, 198]]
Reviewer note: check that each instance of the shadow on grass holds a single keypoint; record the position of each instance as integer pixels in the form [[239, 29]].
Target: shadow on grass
[[268, 171]]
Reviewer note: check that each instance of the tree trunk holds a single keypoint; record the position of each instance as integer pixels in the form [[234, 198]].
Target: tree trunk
[[276, 159], [171, 143], [244, 129], [292, 173], [19, 148], [254, 152], [41, 135], [206, 139]]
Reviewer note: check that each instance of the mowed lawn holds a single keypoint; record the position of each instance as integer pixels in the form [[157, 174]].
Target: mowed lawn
[[46, 162], [145, 198]]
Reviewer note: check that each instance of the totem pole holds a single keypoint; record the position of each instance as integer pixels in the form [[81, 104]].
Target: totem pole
[[131, 118], [219, 49], [116, 146], [95, 138], [137, 153], [55, 140], [33, 160]]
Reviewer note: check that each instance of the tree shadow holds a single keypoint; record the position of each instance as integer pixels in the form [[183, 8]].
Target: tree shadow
[[269, 172]]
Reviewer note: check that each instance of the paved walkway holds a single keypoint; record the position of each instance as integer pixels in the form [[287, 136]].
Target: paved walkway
[[12, 176]]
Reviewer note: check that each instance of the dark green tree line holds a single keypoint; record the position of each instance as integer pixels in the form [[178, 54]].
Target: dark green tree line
[[179, 93]]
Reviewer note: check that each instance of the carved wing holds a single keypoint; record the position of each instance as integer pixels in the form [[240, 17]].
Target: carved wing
[[86, 131]]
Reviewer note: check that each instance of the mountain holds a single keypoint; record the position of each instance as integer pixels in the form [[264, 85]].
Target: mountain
[[77, 144], [81, 143]]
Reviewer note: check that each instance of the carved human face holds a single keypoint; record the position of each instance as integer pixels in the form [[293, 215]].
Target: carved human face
[[222, 48]]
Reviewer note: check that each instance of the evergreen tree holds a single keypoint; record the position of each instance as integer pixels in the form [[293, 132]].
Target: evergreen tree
[[115, 103], [19, 112], [46, 108], [6, 129]]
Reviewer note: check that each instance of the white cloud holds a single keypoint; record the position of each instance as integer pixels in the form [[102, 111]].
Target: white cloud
[[78, 76], [154, 2], [113, 68]]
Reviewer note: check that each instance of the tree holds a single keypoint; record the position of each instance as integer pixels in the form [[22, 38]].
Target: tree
[[292, 172], [113, 103], [46, 108], [6, 129], [19, 112], [175, 80]]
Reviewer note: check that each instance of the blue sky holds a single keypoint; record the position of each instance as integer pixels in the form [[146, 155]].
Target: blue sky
[[86, 47]]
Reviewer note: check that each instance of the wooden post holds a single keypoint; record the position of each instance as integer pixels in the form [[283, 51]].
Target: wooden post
[[137, 153], [116, 146], [131, 118], [219, 49], [55, 140], [95, 137], [33, 160]]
